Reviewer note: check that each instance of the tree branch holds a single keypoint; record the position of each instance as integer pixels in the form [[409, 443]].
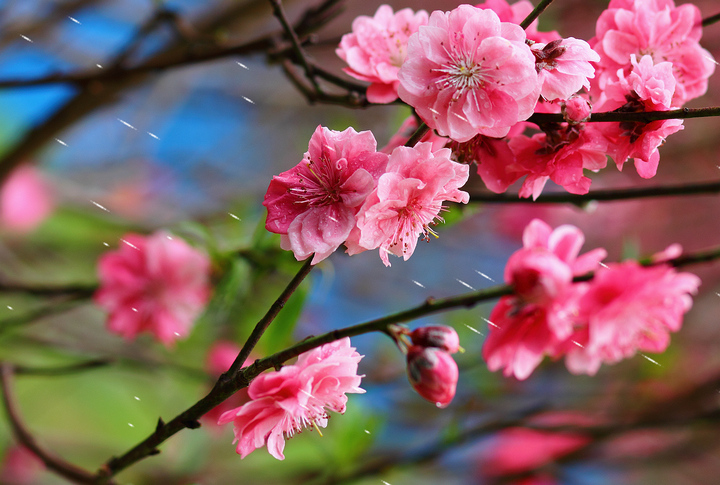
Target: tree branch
[[535, 13], [602, 195], [23, 435], [639, 117]]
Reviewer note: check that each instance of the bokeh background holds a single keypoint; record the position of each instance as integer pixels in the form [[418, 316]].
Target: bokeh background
[[192, 148]]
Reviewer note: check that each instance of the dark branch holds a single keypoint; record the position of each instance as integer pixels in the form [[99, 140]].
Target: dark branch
[[602, 195], [711, 20], [641, 117], [535, 13], [23, 435]]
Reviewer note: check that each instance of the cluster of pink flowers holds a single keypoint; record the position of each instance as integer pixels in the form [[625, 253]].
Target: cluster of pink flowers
[[473, 75], [346, 192], [625, 308], [157, 284], [297, 396]]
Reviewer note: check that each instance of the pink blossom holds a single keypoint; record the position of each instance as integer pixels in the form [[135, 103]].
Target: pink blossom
[[518, 450], [314, 204], [515, 14], [157, 284], [407, 200], [661, 30], [297, 396], [377, 47], [408, 127], [629, 308], [25, 200], [561, 154], [540, 316], [467, 73], [440, 336], [648, 87], [563, 67], [433, 374]]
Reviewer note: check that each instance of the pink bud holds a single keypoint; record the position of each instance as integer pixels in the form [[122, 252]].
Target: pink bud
[[432, 373], [440, 336], [576, 110]]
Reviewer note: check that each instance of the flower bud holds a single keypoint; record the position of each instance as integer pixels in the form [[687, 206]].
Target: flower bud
[[432, 373], [440, 336], [576, 110]]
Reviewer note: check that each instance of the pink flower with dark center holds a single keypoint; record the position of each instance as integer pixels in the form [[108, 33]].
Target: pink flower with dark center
[[540, 316], [563, 67], [25, 200], [515, 14], [433, 373], [659, 29], [377, 47], [297, 396], [648, 87], [407, 201], [561, 154], [314, 204], [629, 308], [157, 284], [467, 73]]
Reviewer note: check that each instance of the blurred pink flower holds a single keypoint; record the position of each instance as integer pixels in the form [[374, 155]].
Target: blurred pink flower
[[629, 308], [407, 200], [377, 47], [467, 73], [20, 467], [313, 205], [25, 200], [661, 30], [157, 284], [297, 396], [540, 316], [433, 374]]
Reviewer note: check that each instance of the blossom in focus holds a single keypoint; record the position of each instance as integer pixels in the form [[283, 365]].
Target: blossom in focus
[[648, 87], [376, 48], [297, 396], [661, 30], [218, 360], [25, 200], [540, 316], [157, 284], [314, 204], [563, 67], [407, 201], [433, 374], [468, 73], [629, 308]]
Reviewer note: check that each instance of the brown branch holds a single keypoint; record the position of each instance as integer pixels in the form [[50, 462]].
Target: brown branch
[[535, 13], [61, 370], [710, 20], [23, 435], [279, 12], [602, 195], [639, 117]]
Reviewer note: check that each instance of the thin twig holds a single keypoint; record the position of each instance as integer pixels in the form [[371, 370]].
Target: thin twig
[[61, 370], [417, 136], [602, 195], [710, 20], [23, 435], [535, 13], [279, 12]]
